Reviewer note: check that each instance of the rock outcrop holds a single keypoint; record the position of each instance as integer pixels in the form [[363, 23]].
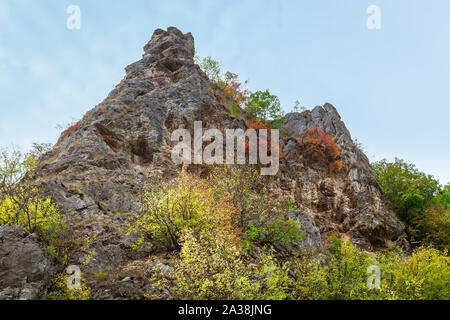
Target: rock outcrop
[[349, 202], [25, 267], [97, 169]]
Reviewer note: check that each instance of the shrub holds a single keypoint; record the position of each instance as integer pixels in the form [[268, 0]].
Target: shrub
[[231, 88], [310, 278], [444, 197], [274, 282], [21, 200], [214, 266], [347, 272], [243, 187], [58, 289], [30, 211], [210, 67], [257, 124], [424, 275], [320, 146], [71, 128], [260, 217], [187, 201], [226, 86], [279, 234], [211, 266], [343, 274]]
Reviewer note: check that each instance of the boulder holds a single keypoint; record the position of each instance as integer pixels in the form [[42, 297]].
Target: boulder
[[25, 266]]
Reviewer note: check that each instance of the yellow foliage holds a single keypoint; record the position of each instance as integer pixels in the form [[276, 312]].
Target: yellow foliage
[[58, 289], [35, 214], [187, 201]]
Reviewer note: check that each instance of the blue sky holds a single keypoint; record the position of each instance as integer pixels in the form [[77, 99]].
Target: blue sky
[[391, 86]]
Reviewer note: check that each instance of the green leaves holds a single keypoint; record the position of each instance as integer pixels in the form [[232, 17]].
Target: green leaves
[[265, 106], [210, 67], [414, 196]]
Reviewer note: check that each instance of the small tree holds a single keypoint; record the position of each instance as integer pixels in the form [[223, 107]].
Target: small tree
[[210, 67], [265, 106], [22, 202]]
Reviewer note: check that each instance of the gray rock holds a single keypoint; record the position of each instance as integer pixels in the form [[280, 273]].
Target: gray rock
[[161, 269], [25, 267], [97, 172], [348, 202], [312, 240]]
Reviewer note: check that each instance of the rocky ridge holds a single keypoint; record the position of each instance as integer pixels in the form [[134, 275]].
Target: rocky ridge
[[97, 170]]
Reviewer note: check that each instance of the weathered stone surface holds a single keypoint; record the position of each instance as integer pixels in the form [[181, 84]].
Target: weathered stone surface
[[349, 202], [25, 267], [97, 172], [161, 269], [312, 240]]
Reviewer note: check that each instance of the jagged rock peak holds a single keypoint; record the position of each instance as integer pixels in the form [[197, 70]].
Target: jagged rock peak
[[172, 43], [100, 167]]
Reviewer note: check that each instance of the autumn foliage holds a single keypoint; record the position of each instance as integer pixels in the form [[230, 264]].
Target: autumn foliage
[[255, 123], [71, 129], [321, 147], [231, 88]]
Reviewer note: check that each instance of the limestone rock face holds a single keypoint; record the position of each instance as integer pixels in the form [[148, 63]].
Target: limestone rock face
[[349, 202], [312, 240], [96, 171], [25, 267]]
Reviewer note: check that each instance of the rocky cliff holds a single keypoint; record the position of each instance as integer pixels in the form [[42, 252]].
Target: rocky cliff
[[97, 169]]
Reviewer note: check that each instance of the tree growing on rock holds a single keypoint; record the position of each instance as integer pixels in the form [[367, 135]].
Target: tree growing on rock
[[265, 106]]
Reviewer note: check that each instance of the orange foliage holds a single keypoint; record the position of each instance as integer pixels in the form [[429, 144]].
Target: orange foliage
[[254, 123], [320, 146], [231, 88]]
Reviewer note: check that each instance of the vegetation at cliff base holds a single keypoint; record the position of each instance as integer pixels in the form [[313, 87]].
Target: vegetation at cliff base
[[418, 200], [246, 253]]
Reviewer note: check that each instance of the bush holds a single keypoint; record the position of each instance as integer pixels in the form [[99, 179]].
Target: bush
[[58, 289], [343, 274], [257, 124], [231, 88], [424, 275], [210, 67], [225, 85], [21, 200], [35, 214], [320, 146], [274, 282], [71, 128], [245, 190], [211, 266], [310, 278], [185, 202], [214, 266], [279, 234], [260, 217]]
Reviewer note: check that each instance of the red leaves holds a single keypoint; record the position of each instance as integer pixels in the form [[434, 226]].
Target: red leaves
[[254, 123], [71, 129], [320, 146], [231, 88]]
